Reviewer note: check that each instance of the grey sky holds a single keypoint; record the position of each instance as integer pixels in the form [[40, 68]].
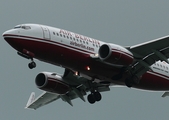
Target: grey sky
[[124, 22]]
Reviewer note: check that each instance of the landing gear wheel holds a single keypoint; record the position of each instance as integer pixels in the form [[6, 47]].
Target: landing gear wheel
[[32, 65], [97, 96], [91, 98]]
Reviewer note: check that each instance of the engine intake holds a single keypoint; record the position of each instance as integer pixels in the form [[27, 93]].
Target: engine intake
[[51, 83], [115, 54]]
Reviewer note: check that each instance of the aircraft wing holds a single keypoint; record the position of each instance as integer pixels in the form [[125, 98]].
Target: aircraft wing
[[46, 97], [161, 45], [148, 53], [79, 86], [43, 99]]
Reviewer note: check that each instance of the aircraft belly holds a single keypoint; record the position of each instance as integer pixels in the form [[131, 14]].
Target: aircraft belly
[[62, 55], [153, 81]]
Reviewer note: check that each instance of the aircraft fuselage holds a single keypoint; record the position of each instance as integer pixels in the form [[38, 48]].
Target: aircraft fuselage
[[73, 51]]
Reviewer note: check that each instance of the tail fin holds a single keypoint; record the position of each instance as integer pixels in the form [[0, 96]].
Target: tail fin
[[31, 99]]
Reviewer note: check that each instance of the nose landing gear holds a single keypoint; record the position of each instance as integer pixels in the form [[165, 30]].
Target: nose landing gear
[[32, 64]]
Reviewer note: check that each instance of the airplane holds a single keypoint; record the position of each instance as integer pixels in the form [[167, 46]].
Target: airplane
[[91, 66]]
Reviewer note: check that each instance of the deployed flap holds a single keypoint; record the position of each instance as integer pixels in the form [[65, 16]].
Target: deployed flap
[[43, 99]]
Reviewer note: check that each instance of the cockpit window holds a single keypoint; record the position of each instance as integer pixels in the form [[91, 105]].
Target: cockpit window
[[22, 26], [26, 27], [18, 26]]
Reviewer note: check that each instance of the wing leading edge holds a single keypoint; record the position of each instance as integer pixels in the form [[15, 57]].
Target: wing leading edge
[[147, 48]]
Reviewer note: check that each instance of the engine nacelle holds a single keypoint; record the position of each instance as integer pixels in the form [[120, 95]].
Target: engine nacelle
[[51, 83], [115, 54]]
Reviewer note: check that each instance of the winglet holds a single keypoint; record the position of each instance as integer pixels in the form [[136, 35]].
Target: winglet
[[31, 99], [165, 94]]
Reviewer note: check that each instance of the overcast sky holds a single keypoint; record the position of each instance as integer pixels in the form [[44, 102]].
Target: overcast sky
[[124, 22]]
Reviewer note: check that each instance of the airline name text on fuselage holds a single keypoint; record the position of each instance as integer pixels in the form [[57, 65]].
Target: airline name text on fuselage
[[71, 34], [82, 46]]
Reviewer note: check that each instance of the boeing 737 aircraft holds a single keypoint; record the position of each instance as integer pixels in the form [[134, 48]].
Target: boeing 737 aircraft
[[90, 65]]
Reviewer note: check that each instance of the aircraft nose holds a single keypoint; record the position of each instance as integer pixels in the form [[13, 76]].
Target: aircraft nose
[[6, 33], [9, 32]]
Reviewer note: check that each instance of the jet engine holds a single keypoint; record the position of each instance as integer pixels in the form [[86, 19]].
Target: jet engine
[[115, 54], [51, 83]]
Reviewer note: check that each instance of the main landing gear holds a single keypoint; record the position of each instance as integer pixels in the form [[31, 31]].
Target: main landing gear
[[32, 64], [94, 97]]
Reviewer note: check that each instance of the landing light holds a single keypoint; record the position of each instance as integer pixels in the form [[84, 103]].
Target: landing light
[[88, 68], [96, 55], [76, 73]]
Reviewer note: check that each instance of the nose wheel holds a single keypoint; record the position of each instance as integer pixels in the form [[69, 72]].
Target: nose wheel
[[32, 65]]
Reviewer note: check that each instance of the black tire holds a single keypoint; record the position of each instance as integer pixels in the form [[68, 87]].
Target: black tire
[[91, 98], [32, 65], [97, 96]]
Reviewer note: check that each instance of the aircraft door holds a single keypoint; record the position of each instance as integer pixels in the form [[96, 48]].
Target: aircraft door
[[46, 32]]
